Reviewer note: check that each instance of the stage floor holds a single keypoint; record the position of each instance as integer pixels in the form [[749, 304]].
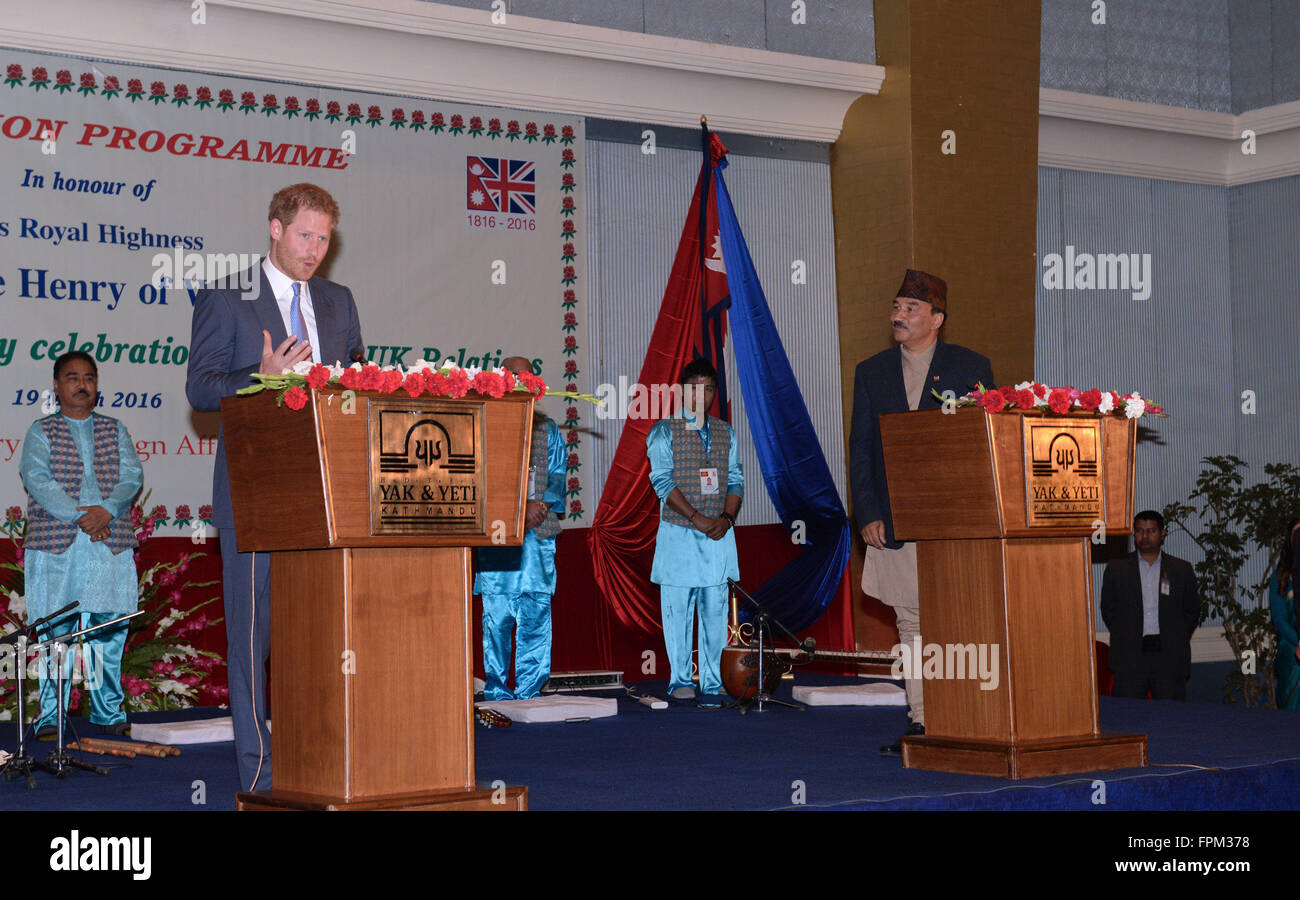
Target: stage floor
[[1204, 756]]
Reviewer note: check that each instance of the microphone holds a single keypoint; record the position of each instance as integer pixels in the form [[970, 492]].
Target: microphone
[[357, 355], [32, 627]]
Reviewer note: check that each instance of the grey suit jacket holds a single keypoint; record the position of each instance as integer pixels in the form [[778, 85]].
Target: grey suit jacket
[[226, 349]]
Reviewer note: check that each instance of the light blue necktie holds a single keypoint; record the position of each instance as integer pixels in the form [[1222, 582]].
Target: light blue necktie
[[295, 315]]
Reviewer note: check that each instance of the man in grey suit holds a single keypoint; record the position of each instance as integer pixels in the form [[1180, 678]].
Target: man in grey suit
[[1151, 604], [899, 379], [290, 317]]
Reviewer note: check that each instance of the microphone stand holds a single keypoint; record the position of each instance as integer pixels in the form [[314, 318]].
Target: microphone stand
[[763, 626], [20, 765], [60, 761]]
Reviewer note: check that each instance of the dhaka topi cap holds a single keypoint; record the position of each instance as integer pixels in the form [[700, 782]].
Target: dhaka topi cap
[[918, 285]]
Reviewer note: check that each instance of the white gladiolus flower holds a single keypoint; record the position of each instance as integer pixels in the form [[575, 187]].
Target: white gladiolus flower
[[1025, 386], [303, 367], [1107, 403], [17, 604]]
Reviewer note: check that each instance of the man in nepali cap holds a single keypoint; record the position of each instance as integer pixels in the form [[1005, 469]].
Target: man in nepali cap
[[899, 379]]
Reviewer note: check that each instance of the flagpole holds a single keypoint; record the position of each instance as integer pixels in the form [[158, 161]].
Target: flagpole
[[707, 343]]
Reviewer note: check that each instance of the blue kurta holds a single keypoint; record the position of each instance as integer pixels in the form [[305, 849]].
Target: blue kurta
[[516, 584], [692, 569], [685, 557], [530, 567], [88, 571], [103, 582], [1285, 668]]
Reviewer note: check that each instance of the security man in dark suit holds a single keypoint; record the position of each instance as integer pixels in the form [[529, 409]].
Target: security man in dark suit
[[1151, 604]]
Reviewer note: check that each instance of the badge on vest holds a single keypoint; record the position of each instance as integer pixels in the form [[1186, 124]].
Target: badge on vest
[[709, 481], [1164, 587]]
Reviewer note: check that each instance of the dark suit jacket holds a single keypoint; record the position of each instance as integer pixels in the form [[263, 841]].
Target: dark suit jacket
[[1121, 610], [226, 348], [878, 388]]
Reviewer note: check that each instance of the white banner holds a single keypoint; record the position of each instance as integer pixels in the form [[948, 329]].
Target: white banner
[[123, 188]]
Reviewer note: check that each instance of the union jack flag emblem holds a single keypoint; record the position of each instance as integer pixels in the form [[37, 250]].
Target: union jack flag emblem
[[500, 185]]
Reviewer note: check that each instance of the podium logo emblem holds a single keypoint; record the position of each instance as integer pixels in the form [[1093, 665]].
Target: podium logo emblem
[[1064, 478], [426, 467]]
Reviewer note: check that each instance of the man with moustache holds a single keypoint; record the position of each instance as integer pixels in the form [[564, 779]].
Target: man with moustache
[[81, 473], [285, 316], [899, 379]]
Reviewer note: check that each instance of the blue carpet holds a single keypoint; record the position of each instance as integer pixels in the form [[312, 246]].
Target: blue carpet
[[1204, 756], [203, 772]]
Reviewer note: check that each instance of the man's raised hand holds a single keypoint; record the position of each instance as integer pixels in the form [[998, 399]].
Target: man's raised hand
[[286, 356]]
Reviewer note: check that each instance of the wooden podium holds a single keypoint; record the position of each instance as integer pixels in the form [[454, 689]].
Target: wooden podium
[[1002, 507], [371, 664]]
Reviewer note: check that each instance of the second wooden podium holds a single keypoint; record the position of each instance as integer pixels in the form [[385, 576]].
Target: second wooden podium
[[1003, 507], [369, 505]]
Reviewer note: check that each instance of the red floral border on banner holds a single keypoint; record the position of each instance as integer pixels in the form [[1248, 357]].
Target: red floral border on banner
[[417, 121]]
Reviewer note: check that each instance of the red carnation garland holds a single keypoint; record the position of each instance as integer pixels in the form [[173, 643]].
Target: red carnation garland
[[421, 380], [1035, 397]]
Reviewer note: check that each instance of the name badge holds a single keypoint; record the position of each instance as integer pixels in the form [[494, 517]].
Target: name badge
[[708, 481], [1164, 587]]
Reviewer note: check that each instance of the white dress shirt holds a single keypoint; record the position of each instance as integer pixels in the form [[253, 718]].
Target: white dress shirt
[[1150, 575], [282, 288]]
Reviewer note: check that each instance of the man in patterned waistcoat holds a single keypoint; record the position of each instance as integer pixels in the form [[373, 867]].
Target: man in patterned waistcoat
[[81, 473], [695, 471], [517, 583]]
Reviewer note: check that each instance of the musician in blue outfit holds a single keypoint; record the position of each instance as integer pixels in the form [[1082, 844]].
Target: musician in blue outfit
[[81, 472], [695, 471], [1281, 596], [517, 583]]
